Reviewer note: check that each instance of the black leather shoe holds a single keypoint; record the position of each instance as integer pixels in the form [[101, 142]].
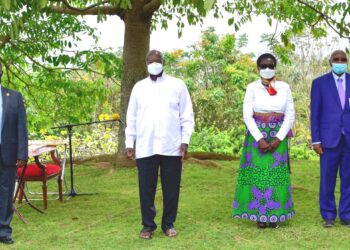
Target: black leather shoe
[[328, 223], [6, 240], [273, 225], [345, 222], [261, 225]]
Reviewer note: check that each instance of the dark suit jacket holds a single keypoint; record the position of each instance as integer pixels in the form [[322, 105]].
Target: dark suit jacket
[[14, 135], [328, 119]]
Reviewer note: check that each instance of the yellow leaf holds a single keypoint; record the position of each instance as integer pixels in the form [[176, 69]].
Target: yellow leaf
[[115, 116]]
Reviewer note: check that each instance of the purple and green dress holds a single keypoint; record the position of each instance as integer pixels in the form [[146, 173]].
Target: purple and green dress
[[263, 192]]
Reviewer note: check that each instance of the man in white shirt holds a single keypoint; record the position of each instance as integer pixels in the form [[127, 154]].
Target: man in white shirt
[[160, 120]]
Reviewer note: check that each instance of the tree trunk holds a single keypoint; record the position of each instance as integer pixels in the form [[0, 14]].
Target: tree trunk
[[136, 46]]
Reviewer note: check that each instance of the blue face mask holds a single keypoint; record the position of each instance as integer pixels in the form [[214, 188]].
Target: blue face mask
[[339, 68]]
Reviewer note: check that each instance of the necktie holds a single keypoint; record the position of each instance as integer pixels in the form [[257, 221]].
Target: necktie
[[341, 92]]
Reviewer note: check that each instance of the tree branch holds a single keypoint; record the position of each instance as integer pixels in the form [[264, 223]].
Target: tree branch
[[56, 68], [94, 9], [326, 18], [65, 2], [151, 6], [7, 66], [274, 34]]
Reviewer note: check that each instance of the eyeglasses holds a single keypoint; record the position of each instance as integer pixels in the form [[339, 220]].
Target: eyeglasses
[[264, 66]]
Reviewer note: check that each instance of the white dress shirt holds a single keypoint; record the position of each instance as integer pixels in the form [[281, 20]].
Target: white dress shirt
[[257, 99], [159, 117]]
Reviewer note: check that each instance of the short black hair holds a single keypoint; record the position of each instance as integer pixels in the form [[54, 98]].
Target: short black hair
[[154, 52], [266, 56]]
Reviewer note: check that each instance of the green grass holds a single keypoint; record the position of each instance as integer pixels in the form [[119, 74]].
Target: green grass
[[111, 219]]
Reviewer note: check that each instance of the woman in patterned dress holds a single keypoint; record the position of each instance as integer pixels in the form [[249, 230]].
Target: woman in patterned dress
[[263, 192]]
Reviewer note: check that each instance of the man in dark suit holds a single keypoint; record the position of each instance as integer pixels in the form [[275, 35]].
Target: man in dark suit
[[13, 151], [330, 130]]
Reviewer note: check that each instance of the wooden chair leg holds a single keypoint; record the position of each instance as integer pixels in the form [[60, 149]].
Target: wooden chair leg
[[20, 195], [60, 193], [45, 194]]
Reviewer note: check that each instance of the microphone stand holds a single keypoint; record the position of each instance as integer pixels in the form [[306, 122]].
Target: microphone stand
[[69, 127]]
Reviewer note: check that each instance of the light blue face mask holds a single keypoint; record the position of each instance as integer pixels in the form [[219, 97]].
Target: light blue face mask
[[339, 68]]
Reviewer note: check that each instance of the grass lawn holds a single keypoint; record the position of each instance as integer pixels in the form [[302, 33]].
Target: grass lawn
[[111, 219]]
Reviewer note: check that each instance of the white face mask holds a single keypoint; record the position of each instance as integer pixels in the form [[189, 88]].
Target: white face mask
[[267, 73], [155, 68]]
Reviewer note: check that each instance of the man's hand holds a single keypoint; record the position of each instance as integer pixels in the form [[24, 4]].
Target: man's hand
[[274, 144], [20, 163], [183, 150], [263, 145], [130, 152], [318, 148]]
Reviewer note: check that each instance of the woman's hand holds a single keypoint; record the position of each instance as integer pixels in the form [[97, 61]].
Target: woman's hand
[[274, 144], [263, 145]]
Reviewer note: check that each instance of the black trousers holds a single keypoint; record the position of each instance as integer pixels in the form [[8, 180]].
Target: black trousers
[[7, 186], [170, 176]]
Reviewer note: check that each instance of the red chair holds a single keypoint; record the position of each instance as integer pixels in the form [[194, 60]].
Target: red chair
[[42, 172]]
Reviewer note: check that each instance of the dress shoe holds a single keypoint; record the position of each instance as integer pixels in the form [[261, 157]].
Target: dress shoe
[[170, 232], [146, 235], [328, 223], [6, 240], [261, 225], [345, 222], [273, 225]]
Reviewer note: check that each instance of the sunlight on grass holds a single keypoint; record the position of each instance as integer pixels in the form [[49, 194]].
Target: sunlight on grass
[[111, 219]]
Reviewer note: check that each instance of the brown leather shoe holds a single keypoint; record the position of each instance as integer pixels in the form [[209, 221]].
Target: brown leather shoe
[[170, 232], [146, 235]]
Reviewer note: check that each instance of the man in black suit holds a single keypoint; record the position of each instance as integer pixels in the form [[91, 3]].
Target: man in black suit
[[13, 152]]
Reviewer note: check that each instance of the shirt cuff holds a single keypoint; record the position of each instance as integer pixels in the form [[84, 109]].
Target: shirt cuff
[[316, 142], [279, 137], [185, 139], [258, 137], [129, 144]]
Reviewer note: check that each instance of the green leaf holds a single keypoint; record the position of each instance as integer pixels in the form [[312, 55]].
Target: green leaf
[[6, 4], [208, 4], [43, 3]]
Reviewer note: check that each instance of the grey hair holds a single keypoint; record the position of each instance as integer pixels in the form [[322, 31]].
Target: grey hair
[[154, 52]]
